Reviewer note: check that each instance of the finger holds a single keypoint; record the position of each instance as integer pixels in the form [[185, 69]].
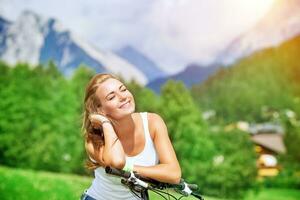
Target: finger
[[99, 117], [94, 117]]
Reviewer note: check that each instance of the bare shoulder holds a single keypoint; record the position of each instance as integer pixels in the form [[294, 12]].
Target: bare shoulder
[[155, 122], [154, 118]]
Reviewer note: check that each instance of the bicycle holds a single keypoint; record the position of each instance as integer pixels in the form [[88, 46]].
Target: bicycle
[[140, 185]]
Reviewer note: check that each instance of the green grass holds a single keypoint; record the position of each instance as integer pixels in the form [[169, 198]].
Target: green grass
[[30, 185], [27, 184], [154, 196], [276, 194]]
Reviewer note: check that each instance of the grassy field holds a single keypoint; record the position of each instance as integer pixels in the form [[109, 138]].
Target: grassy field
[[27, 184]]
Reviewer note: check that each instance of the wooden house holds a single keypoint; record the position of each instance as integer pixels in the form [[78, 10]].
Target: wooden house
[[268, 140]]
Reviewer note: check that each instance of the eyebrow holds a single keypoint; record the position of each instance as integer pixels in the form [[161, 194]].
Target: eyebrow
[[113, 91]]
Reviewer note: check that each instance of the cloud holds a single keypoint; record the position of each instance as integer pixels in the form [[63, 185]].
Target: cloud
[[171, 32], [199, 29]]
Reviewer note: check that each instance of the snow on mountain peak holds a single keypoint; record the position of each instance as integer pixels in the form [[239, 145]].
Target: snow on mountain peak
[[24, 39], [34, 40], [112, 62], [58, 26]]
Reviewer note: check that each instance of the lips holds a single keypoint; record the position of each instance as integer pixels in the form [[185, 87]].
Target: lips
[[125, 104]]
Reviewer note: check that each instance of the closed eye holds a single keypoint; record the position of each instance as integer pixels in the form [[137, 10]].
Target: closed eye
[[111, 98], [122, 88]]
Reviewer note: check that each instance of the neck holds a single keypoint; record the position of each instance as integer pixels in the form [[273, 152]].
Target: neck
[[125, 127]]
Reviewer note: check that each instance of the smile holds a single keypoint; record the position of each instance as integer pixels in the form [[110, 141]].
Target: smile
[[125, 105]]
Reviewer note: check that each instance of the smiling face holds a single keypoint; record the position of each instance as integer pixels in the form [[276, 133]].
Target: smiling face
[[116, 100]]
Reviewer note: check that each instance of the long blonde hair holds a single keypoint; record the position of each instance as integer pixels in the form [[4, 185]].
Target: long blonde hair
[[91, 105]]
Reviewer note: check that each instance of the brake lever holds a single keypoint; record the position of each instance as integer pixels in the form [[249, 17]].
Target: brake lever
[[186, 191], [137, 181]]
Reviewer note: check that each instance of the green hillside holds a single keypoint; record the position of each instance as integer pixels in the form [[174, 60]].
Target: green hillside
[[256, 87]]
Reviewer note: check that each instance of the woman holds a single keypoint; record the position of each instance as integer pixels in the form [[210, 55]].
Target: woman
[[117, 136]]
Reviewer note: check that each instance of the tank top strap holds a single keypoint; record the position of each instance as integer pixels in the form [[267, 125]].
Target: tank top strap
[[146, 126]]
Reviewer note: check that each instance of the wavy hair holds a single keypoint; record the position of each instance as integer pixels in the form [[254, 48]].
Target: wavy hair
[[91, 105]]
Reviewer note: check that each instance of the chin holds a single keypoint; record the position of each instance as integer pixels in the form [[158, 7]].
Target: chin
[[129, 110], [121, 113]]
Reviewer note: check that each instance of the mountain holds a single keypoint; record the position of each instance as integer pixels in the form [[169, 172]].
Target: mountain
[[34, 39], [281, 23], [258, 88], [147, 66], [192, 74], [4, 24]]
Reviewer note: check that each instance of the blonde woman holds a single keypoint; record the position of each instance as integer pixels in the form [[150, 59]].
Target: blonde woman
[[119, 137]]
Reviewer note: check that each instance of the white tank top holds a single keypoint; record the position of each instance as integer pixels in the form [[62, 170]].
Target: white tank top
[[108, 187]]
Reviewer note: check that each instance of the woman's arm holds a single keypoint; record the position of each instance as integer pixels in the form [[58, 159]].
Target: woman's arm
[[168, 170], [95, 156], [112, 153]]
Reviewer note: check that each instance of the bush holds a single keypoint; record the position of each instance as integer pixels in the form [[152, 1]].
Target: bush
[[289, 177], [232, 170], [222, 163]]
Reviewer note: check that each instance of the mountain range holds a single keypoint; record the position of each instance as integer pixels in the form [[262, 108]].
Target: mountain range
[[281, 23], [146, 65], [261, 87], [192, 74], [33, 39]]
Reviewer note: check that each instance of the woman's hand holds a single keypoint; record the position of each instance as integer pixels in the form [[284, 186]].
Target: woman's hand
[[97, 120], [113, 154]]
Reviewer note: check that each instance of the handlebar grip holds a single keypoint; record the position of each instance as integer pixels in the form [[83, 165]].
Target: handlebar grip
[[193, 187], [117, 172], [181, 185]]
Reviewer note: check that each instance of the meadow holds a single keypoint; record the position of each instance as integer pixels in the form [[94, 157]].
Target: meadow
[[24, 184]]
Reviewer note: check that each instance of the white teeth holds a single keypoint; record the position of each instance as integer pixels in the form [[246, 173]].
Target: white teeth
[[125, 105]]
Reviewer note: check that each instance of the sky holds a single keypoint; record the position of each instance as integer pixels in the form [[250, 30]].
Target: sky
[[173, 33]]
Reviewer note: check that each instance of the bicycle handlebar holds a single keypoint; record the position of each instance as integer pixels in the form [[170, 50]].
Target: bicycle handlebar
[[154, 183], [125, 174]]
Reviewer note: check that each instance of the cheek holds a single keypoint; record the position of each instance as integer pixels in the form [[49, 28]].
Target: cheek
[[109, 107], [130, 95], [133, 101]]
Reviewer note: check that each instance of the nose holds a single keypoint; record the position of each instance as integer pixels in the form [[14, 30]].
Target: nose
[[122, 97]]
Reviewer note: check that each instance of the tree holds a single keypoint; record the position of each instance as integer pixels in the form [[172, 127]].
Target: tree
[[145, 99]]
